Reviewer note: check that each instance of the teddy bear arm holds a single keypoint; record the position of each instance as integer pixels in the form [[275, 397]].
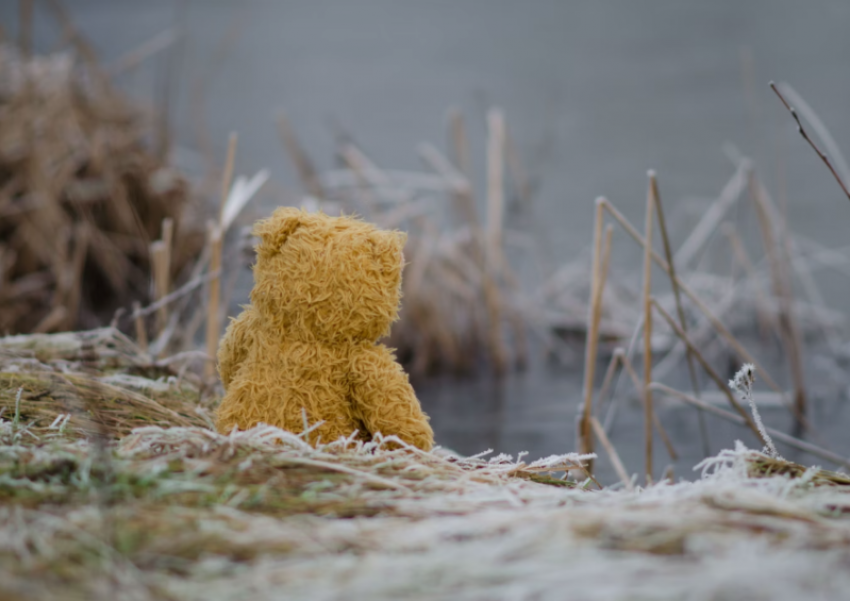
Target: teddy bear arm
[[385, 400], [234, 346]]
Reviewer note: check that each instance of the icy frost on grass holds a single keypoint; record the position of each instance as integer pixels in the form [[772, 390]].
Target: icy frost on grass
[[742, 383], [254, 514]]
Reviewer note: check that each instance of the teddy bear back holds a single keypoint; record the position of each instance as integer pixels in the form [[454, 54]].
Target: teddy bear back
[[326, 279]]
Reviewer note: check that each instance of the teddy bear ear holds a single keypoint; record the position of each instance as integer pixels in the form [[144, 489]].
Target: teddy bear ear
[[274, 231]]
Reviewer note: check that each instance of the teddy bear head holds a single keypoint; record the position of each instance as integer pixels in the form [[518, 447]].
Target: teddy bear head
[[327, 279]]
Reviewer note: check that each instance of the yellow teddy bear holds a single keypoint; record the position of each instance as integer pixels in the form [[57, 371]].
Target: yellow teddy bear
[[325, 290]]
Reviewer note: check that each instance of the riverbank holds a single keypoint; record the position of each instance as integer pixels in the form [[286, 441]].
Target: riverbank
[[169, 509]]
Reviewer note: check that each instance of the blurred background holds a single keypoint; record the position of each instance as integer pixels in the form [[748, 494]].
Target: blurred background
[[406, 112]]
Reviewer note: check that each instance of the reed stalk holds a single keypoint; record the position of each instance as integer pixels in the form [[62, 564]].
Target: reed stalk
[[788, 327], [612, 454], [656, 421], [492, 255], [216, 236], [585, 437], [680, 312], [647, 331]]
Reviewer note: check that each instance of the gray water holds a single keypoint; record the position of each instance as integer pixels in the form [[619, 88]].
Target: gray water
[[595, 94]]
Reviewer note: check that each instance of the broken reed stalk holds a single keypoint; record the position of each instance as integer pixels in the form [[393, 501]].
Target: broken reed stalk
[[216, 238], [791, 441], [606, 262], [647, 331], [668, 253], [721, 384], [599, 431], [160, 265], [495, 215], [656, 421], [585, 434], [818, 151], [788, 326], [805, 111]]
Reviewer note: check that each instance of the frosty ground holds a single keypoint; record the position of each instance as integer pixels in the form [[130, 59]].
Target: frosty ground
[[159, 506]]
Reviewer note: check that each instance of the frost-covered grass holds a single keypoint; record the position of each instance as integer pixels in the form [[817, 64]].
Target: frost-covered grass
[[185, 513], [112, 487]]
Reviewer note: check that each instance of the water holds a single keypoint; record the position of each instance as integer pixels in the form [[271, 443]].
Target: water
[[595, 95]]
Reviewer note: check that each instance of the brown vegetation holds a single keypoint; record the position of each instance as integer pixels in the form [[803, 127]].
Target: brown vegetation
[[83, 198]]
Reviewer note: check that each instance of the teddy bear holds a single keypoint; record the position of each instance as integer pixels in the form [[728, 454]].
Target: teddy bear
[[306, 350]]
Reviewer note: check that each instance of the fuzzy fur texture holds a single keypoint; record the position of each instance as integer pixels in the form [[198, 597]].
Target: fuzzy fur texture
[[325, 290]]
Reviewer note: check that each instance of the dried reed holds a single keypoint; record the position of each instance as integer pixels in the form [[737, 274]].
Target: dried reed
[[821, 155], [216, 241], [612, 454], [788, 327], [600, 259], [680, 312], [82, 197], [647, 329]]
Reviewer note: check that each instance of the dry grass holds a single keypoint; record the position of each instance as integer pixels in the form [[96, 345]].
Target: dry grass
[[92, 383], [90, 508], [186, 513], [132, 495], [82, 197]]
